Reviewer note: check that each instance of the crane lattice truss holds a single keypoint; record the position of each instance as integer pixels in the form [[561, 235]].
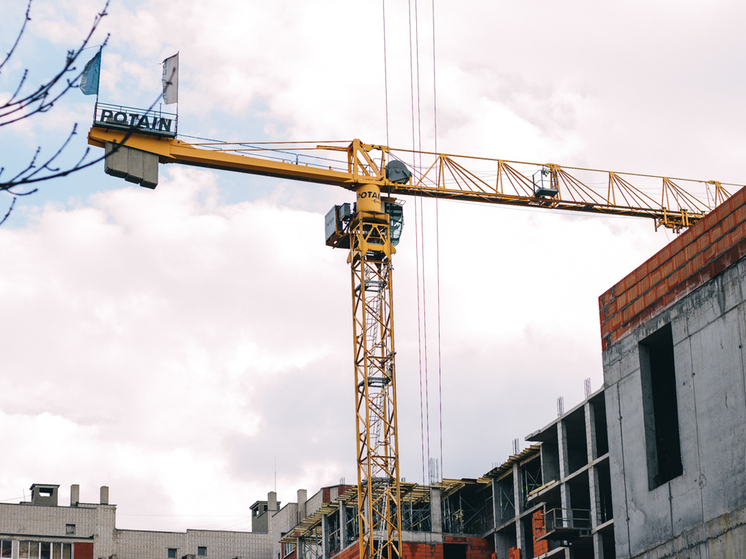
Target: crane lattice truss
[[365, 169], [375, 383]]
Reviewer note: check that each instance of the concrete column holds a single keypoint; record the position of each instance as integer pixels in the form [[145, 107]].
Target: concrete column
[[272, 501], [74, 495], [324, 537], [590, 431], [436, 513], [301, 500], [564, 463], [564, 469], [590, 435], [342, 525], [518, 501], [493, 488], [104, 494], [598, 548]]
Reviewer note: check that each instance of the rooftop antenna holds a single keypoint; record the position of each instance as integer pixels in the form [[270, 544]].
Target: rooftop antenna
[[275, 474]]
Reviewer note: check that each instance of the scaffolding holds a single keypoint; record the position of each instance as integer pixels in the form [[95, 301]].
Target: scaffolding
[[465, 507]]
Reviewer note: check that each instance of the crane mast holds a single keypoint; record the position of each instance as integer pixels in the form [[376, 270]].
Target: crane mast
[[370, 230], [371, 248]]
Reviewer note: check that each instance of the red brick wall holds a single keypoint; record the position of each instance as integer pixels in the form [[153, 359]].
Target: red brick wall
[[326, 492], [694, 257], [476, 548], [514, 553], [83, 550], [537, 521], [422, 551], [352, 552]]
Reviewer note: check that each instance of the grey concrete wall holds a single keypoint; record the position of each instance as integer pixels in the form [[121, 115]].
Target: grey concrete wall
[[709, 332]]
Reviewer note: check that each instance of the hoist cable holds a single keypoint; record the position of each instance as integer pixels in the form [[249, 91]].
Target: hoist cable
[[437, 255], [385, 74], [422, 226], [419, 247]]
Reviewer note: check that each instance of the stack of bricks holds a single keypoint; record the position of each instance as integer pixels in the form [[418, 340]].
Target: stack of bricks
[[540, 546], [709, 247], [514, 553]]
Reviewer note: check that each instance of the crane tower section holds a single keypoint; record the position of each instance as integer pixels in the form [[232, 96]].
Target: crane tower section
[[367, 232]]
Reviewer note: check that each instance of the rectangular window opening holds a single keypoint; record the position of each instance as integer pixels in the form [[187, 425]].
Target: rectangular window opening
[[70, 529], [171, 553], [660, 407], [202, 551]]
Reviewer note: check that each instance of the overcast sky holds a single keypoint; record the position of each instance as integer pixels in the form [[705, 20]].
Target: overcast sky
[[189, 346]]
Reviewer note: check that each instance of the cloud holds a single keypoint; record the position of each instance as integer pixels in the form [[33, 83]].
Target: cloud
[[178, 342]]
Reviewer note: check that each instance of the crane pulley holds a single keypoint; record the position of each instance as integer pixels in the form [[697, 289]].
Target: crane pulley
[[370, 231]]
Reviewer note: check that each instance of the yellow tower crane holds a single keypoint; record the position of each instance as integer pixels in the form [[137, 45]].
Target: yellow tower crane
[[370, 230]]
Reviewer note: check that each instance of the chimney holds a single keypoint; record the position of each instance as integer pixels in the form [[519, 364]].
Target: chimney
[[272, 501], [104, 495], [74, 495], [302, 498]]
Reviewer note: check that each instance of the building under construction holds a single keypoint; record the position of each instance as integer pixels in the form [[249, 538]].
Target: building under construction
[[651, 466]]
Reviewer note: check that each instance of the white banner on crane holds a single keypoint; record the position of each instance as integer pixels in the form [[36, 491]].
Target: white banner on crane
[[171, 79]]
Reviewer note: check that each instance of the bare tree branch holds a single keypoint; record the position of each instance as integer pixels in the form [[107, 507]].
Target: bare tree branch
[[18, 38], [41, 100], [21, 106]]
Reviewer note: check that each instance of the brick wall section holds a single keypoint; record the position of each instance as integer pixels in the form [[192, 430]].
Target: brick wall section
[[476, 548], [422, 551], [350, 552], [514, 553], [694, 257], [540, 546]]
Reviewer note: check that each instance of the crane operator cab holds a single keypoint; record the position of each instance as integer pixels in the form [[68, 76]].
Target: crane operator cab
[[337, 220]]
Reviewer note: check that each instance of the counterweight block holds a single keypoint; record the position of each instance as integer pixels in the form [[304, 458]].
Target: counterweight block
[[131, 164]]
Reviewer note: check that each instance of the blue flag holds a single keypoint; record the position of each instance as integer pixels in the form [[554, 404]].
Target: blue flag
[[89, 78]]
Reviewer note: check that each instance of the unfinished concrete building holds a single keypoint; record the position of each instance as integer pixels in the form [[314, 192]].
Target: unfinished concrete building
[[673, 336]]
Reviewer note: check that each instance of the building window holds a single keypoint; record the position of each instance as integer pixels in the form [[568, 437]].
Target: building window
[[70, 529], [6, 548], [44, 550], [660, 407], [201, 551]]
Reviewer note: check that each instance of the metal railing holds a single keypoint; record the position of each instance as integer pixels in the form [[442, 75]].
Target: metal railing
[[568, 520]]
